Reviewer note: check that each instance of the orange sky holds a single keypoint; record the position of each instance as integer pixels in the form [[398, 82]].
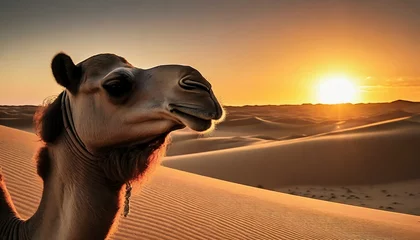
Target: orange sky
[[253, 52]]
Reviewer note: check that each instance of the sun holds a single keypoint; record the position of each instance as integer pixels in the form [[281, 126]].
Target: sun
[[336, 89]]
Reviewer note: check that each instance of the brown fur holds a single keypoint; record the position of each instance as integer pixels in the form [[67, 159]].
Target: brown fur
[[49, 121], [71, 76], [95, 65], [129, 163], [66, 73], [43, 165], [6, 202]]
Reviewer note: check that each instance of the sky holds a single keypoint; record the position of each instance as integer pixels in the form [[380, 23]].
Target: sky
[[253, 52]]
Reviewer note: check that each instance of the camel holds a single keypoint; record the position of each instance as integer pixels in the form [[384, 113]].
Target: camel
[[104, 132]]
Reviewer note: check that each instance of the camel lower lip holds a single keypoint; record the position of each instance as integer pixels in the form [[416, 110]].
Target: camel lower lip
[[159, 137], [195, 123], [194, 111]]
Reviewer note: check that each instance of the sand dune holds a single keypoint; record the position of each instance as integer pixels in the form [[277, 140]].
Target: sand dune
[[178, 205], [254, 121], [346, 158], [266, 129], [270, 125], [390, 115], [17, 117], [378, 153], [399, 124], [319, 112], [210, 144], [250, 126]]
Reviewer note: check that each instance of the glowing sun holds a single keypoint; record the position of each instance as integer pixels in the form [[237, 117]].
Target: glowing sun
[[336, 89]]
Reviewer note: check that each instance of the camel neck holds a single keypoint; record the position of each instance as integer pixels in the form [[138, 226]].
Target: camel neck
[[77, 202], [74, 142]]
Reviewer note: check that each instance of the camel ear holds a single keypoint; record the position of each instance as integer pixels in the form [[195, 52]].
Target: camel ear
[[66, 73]]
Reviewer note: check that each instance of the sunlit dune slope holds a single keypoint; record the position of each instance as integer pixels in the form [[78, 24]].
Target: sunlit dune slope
[[378, 153], [178, 205]]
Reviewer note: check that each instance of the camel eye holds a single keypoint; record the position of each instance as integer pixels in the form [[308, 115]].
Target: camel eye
[[118, 88]]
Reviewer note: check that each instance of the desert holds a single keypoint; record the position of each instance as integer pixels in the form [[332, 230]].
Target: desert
[[254, 178]]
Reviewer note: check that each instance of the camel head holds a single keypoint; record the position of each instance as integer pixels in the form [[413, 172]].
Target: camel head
[[114, 103], [125, 113]]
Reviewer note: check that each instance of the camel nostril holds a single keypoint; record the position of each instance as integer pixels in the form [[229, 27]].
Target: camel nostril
[[189, 84]]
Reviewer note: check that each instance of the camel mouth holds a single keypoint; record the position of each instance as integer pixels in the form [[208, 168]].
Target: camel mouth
[[193, 118], [157, 139]]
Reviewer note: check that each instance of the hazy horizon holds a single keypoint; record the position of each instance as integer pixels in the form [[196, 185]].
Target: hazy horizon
[[269, 52], [252, 105]]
